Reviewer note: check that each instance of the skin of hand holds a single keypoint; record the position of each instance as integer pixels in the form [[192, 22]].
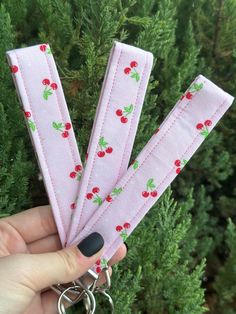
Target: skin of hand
[[32, 259]]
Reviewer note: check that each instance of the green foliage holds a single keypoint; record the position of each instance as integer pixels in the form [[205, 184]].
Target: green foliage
[[163, 272], [15, 167], [169, 284], [225, 284]]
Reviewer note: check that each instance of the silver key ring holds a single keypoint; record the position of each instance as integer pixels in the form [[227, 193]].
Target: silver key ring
[[90, 305], [83, 290]]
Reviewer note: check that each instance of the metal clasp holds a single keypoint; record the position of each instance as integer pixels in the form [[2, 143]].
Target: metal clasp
[[84, 289]]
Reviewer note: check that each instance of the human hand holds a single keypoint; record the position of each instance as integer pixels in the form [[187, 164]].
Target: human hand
[[32, 259]]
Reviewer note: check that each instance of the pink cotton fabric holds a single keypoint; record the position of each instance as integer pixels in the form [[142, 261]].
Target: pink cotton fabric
[[115, 124], [56, 149], [162, 159]]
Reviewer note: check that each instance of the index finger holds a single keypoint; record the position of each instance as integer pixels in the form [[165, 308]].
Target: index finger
[[33, 224]]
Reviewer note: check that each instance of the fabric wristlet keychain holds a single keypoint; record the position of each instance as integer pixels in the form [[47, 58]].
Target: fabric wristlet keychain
[[113, 132], [41, 96], [193, 117], [161, 160]]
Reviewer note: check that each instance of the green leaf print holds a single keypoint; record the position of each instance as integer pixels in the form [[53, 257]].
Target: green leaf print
[[124, 235], [116, 191], [150, 184], [46, 94], [57, 126], [128, 109], [204, 133], [196, 87], [102, 143], [32, 125], [135, 75], [97, 199], [49, 52], [79, 176], [135, 165], [103, 262]]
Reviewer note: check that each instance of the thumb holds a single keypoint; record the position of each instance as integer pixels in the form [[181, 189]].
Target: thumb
[[39, 271]]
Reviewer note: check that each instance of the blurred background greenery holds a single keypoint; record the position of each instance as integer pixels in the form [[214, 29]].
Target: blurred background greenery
[[182, 257]]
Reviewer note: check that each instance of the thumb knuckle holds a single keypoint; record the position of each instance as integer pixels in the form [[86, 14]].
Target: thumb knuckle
[[69, 260]]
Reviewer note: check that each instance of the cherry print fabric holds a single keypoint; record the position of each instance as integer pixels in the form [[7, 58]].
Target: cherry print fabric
[[113, 132], [117, 199], [47, 117], [161, 160]]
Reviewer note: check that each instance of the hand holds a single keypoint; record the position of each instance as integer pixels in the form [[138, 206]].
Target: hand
[[32, 259]]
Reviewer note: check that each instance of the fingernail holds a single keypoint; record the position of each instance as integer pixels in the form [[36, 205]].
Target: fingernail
[[127, 247], [91, 245]]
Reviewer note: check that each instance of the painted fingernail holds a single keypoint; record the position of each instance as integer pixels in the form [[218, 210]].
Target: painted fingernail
[[91, 245], [127, 247]]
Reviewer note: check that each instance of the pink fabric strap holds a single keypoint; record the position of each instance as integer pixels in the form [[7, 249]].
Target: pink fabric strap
[[47, 117], [113, 132], [161, 160]]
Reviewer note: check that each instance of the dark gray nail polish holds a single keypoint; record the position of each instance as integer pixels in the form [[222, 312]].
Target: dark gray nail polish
[[91, 245]]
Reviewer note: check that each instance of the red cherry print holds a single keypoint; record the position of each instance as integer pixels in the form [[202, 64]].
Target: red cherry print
[[123, 119], [119, 112], [127, 70], [54, 86], [95, 190], [178, 170], [65, 134], [72, 206], [208, 123], [109, 198], [154, 193], [189, 95], [101, 154], [46, 82], [98, 262], [67, 126], [199, 126], [109, 150], [73, 175], [78, 168], [43, 48], [145, 194], [133, 64], [98, 269], [14, 68], [119, 228], [177, 163], [89, 196], [126, 225], [182, 97], [27, 114]]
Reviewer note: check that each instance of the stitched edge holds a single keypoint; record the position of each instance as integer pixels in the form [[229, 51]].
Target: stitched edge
[[62, 110], [40, 141], [133, 115], [94, 157]]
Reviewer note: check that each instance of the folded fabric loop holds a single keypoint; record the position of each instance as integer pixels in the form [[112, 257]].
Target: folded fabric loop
[[162, 159], [40, 93], [113, 132]]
